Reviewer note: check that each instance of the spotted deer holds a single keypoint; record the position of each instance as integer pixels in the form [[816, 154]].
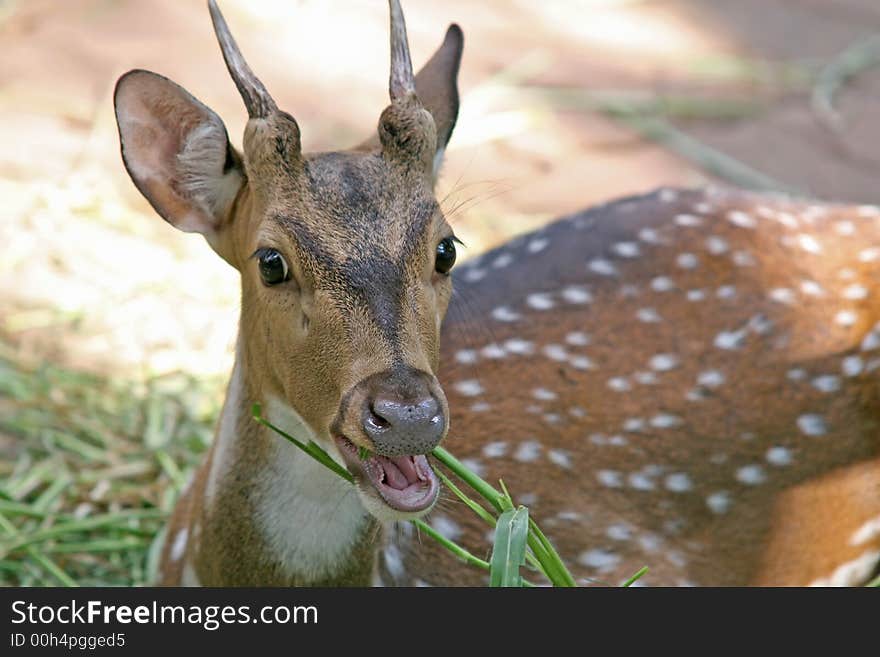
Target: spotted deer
[[686, 380]]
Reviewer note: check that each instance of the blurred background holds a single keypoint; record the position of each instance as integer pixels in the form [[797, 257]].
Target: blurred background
[[116, 331]]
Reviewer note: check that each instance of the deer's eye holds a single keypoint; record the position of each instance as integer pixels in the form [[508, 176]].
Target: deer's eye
[[273, 267], [445, 256]]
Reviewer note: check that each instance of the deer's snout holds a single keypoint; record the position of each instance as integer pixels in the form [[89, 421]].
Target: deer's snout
[[403, 413]]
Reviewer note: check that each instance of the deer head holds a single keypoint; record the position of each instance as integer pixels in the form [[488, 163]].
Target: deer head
[[344, 256]]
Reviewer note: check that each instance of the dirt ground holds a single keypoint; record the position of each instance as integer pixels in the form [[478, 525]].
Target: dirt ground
[[564, 104]]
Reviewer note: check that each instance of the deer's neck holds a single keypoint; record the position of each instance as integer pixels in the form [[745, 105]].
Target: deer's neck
[[272, 514]]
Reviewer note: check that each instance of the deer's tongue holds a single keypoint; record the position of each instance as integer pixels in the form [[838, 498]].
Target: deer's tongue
[[400, 472]]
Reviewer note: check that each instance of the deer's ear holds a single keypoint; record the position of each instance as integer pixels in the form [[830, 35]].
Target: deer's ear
[[177, 152], [437, 88]]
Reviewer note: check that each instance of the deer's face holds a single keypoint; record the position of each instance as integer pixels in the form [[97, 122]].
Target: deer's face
[[344, 257]]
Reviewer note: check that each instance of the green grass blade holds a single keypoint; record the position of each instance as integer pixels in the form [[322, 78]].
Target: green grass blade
[[638, 574], [509, 551], [457, 550], [470, 478], [312, 449], [551, 563], [473, 505]]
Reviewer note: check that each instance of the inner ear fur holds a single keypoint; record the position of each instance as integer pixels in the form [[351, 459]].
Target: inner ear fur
[[177, 152]]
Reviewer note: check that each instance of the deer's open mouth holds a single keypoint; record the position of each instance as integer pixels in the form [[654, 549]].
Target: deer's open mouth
[[405, 483]]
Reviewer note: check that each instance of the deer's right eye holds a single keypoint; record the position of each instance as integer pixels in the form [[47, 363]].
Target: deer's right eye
[[273, 267]]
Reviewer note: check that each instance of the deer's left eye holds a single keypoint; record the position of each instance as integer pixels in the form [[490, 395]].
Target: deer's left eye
[[273, 267], [445, 256]]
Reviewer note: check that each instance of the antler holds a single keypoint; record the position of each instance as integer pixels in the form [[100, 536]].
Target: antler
[[257, 100], [402, 82]]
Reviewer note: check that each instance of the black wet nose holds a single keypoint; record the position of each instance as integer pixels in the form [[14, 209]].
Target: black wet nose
[[400, 427]]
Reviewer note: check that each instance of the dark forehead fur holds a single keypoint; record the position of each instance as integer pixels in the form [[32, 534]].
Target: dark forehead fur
[[360, 230]]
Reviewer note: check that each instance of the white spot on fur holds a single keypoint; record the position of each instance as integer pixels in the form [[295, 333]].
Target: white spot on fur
[[634, 424], [827, 383], [619, 532], [610, 478], [869, 255], [540, 301], [648, 315], [519, 347], [466, 356], [469, 388], [719, 502], [576, 294], [687, 260], [855, 292], [711, 378], [543, 394], [812, 424], [664, 362], [782, 295], [505, 314], [872, 340], [619, 384], [649, 236], [474, 274], [812, 288], [645, 378], [846, 318], [845, 228], [726, 292], [716, 245], [602, 267], [446, 527], [495, 449], [528, 451], [809, 243], [852, 365], [688, 220], [730, 340], [599, 559], [741, 219], [555, 352], [582, 363], [662, 284], [796, 374], [493, 351], [696, 295], [743, 259], [751, 475], [779, 456], [665, 421], [678, 482], [577, 339], [502, 260], [627, 249], [560, 457], [537, 244]]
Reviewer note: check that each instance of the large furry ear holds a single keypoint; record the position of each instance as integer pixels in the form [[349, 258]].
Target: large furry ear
[[437, 89], [177, 152]]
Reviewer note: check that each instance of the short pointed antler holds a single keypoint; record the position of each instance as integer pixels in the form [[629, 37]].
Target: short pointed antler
[[257, 100], [402, 82]]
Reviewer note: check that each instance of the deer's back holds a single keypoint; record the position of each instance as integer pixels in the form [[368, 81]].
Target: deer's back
[[683, 380]]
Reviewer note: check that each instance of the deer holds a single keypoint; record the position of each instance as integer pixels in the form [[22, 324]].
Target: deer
[[686, 379]]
